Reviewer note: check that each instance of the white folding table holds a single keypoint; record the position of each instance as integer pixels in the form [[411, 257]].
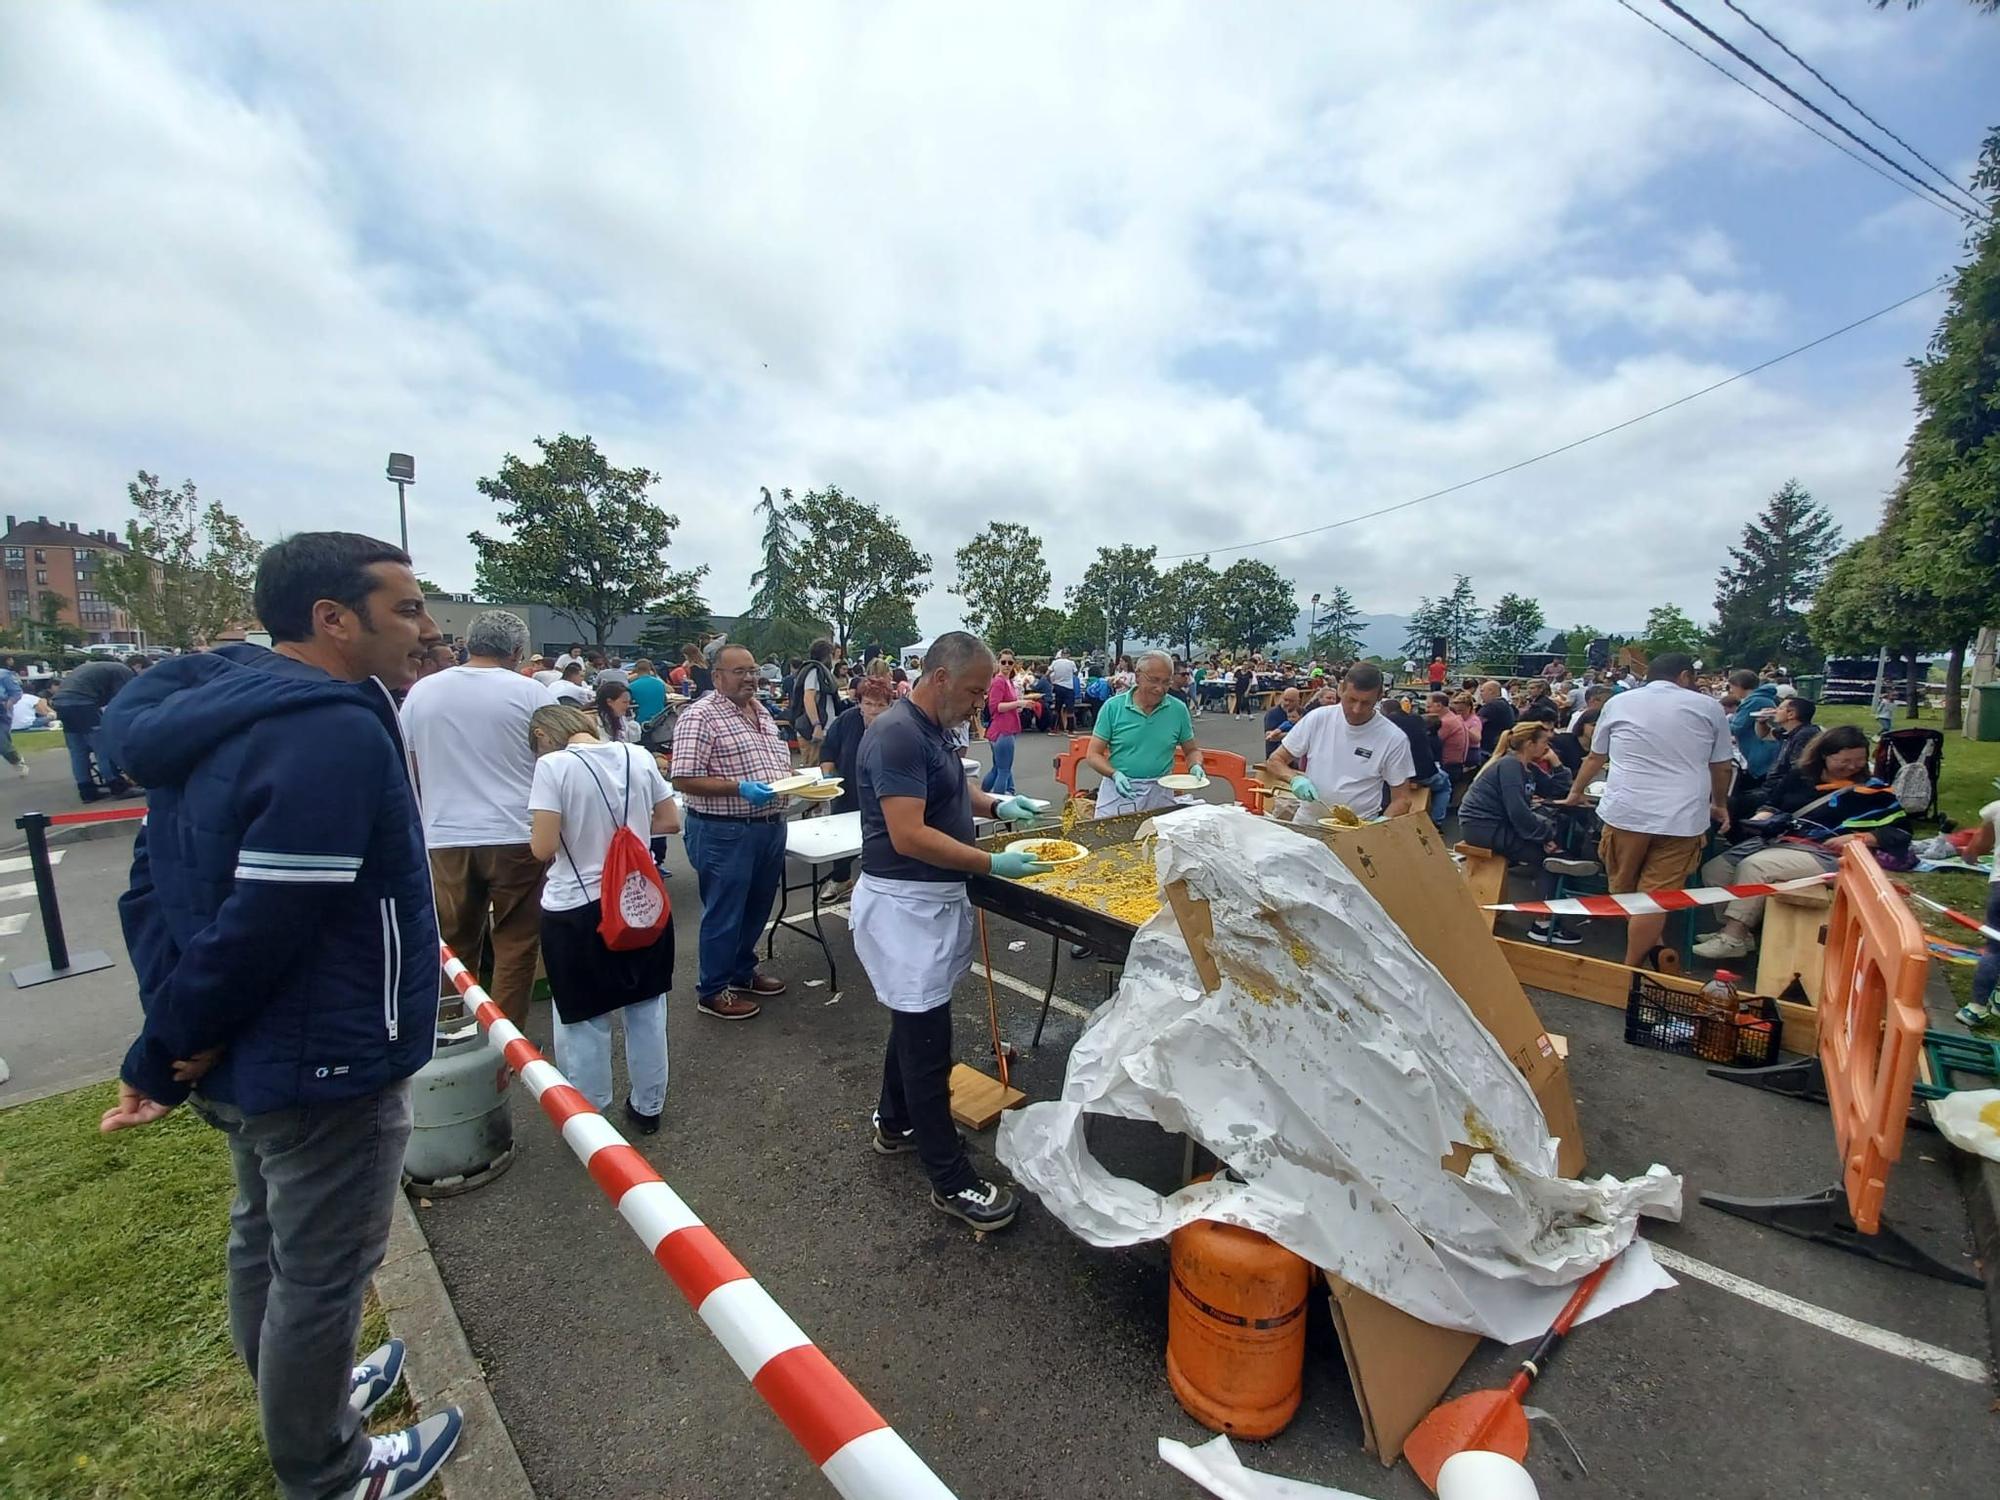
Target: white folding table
[[813, 843]]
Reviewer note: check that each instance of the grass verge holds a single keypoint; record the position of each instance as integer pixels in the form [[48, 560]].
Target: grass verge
[[116, 1373]]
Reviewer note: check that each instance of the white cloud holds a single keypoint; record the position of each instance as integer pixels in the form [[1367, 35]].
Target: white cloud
[[1188, 275]]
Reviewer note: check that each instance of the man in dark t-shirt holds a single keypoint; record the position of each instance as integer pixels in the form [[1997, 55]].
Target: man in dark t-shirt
[[79, 701], [1496, 717], [1279, 719], [912, 920]]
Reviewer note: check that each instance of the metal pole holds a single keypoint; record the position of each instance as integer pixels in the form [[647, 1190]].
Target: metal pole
[[402, 516], [36, 826], [1881, 672]]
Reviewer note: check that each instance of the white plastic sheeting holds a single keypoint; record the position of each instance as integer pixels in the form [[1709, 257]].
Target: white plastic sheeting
[[1333, 1070]]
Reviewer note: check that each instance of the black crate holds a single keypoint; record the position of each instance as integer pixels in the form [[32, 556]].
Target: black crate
[[1674, 1021]]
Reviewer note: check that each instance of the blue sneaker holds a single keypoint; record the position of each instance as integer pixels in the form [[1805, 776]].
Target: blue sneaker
[[377, 1375], [401, 1463]]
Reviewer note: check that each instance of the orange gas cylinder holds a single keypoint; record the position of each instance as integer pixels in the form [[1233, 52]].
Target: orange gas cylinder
[[1236, 1328]]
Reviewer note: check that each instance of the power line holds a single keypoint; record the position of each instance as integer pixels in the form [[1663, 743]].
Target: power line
[[1763, 72], [1930, 197], [1834, 89], [1466, 484]]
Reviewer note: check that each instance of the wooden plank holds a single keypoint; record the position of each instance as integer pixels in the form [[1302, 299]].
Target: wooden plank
[[1603, 983], [1792, 944], [1198, 931], [1485, 877], [977, 1099]]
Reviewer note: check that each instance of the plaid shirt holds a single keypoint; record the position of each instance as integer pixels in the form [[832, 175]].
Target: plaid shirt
[[713, 737]]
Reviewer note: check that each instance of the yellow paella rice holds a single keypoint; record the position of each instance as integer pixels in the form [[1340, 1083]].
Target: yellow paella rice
[[1119, 882]]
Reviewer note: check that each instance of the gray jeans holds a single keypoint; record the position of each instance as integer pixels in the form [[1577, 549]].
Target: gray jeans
[[315, 1189]]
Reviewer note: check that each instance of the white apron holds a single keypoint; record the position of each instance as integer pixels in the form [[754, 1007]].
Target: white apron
[[914, 937], [1148, 796]]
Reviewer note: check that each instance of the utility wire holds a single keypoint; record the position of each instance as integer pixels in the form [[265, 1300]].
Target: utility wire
[[1466, 484], [1763, 72], [1834, 89], [1930, 197]]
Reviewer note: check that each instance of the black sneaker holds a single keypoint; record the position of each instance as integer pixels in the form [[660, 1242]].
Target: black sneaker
[[892, 1142], [644, 1124], [984, 1205], [1547, 933]]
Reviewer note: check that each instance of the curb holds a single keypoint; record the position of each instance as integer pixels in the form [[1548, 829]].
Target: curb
[[442, 1369], [1980, 1181]]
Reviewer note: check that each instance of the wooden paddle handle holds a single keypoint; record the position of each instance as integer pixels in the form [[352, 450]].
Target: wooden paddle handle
[[1558, 1330]]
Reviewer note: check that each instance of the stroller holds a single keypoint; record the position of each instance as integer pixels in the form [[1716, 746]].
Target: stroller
[[1912, 762]]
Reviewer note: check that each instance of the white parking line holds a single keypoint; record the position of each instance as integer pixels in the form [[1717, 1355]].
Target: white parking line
[[16, 892], [12, 923], [1959, 1366], [15, 864]]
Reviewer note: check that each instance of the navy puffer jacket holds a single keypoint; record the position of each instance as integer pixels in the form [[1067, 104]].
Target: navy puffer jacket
[[280, 905]]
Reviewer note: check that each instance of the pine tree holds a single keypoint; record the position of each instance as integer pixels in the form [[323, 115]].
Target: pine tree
[[1459, 621], [1337, 637], [1762, 595]]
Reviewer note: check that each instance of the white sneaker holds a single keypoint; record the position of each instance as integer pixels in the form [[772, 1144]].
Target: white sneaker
[[1724, 945], [21, 769]]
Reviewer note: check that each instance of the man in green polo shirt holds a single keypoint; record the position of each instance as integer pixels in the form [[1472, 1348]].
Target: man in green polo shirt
[[1132, 744]]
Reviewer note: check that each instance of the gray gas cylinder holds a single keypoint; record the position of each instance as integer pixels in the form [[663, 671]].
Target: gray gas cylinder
[[461, 1134]]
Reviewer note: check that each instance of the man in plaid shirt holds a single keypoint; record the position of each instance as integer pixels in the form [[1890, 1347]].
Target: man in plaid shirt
[[727, 752]]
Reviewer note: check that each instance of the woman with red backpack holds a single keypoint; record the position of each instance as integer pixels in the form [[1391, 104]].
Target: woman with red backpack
[[607, 927]]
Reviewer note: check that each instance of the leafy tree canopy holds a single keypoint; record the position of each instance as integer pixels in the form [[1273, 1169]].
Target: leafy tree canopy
[[858, 554], [189, 574], [1004, 580]]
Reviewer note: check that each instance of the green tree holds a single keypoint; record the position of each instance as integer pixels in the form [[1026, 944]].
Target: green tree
[[1003, 579], [1337, 635], [775, 588], [1513, 626], [858, 553], [1042, 632], [1458, 621], [1181, 607], [1084, 628], [1761, 596], [189, 573], [587, 542], [1668, 628], [888, 621], [677, 620], [1426, 622], [1254, 605], [1120, 583], [48, 630]]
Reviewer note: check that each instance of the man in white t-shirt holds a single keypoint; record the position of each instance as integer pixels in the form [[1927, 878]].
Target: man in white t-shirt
[[468, 733], [1062, 678], [1671, 754], [1356, 757]]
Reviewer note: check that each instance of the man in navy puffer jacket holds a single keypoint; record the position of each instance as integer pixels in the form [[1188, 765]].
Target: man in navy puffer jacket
[[281, 926]]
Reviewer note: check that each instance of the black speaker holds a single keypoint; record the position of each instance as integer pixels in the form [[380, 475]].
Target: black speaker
[[1598, 653], [1438, 644]]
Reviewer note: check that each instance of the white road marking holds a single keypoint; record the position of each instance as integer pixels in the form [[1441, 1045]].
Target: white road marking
[[13, 923], [16, 892], [1959, 1366], [15, 864]]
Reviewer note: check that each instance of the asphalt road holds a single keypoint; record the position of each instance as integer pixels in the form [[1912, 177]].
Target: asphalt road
[[1027, 1364]]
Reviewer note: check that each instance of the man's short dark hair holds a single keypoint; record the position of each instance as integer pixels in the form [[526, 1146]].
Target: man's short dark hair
[[1803, 708], [1541, 711], [1365, 677], [313, 565], [1597, 692], [1742, 677], [821, 650], [1669, 666]]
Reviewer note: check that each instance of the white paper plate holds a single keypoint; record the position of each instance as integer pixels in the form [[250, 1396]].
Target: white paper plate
[[786, 784], [1596, 789], [1180, 781], [1019, 844], [820, 791]]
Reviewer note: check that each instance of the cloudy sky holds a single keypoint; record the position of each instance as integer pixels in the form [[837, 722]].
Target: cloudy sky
[[1186, 275]]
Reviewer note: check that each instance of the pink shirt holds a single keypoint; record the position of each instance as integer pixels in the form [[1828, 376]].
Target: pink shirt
[[1001, 690]]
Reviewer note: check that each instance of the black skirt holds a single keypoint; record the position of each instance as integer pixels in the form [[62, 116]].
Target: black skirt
[[586, 979]]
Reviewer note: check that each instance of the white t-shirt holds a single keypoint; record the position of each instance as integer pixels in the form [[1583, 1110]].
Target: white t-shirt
[[547, 678], [468, 732], [570, 692], [563, 784], [1661, 738], [1351, 766], [1062, 672], [24, 712]]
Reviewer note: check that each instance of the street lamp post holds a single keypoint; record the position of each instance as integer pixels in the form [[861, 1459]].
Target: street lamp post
[[402, 471], [1312, 628]]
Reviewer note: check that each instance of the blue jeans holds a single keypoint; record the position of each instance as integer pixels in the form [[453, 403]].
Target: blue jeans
[[1001, 778], [1987, 974], [583, 1052], [738, 864], [315, 1189], [1440, 796], [82, 735]]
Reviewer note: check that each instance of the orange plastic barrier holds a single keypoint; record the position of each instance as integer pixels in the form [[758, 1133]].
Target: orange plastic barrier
[[1221, 765], [1871, 1035]]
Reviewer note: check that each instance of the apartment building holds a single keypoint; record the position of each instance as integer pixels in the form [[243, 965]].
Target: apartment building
[[41, 556]]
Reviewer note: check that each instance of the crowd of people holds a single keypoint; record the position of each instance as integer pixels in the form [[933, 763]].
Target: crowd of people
[[322, 811]]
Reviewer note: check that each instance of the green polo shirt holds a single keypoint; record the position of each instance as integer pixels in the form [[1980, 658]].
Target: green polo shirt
[[1143, 744]]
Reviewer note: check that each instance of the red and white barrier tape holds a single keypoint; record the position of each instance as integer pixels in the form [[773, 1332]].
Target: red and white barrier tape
[[1649, 903], [851, 1443]]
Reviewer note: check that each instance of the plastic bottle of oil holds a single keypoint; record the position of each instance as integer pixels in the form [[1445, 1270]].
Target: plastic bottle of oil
[[1715, 1033]]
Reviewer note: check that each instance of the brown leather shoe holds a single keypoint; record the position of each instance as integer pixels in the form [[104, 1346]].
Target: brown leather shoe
[[766, 984], [730, 1005]]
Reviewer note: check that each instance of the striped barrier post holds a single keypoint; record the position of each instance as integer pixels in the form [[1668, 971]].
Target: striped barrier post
[[1650, 903], [849, 1441]]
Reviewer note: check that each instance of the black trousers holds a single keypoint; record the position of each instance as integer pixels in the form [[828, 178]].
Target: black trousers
[[916, 1095]]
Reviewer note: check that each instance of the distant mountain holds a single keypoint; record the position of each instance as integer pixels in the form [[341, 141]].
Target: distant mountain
[[1381, 635]]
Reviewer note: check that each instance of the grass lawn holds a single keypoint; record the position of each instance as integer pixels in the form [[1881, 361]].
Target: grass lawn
[[116, 1374], [1970, 767]]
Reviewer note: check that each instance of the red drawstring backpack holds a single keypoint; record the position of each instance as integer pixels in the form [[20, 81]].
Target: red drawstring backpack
[[635, 905]]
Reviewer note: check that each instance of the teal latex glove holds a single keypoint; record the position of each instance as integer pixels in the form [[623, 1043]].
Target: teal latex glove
[[1014, 810], [1012, 865], [756, 793], [1304, 790], [1124, 784], [1200, 774]]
